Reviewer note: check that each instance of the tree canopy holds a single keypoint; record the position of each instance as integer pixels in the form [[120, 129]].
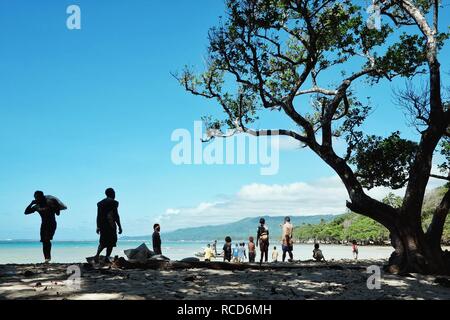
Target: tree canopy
[[279, 55]]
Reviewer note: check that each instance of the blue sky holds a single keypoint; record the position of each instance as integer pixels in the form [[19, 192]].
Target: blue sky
[[82, 110]]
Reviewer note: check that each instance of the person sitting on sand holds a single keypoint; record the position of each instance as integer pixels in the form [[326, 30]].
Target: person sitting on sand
[[274, 255], [156, 239], [251, 250], [355, 249], [209, 253], [107, 221], [262, 238], [236, 253], [227, 249], [317, 253], [47, 208]]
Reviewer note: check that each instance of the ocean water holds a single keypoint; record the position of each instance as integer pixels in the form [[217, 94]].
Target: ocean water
[[77, 251]]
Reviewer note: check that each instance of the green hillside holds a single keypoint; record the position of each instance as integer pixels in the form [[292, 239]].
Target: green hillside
[[352, 226], [239, 230]]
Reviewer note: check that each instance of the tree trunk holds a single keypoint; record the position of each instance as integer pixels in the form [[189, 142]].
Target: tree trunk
[[414, 254]]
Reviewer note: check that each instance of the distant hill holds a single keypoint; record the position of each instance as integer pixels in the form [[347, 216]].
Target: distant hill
[[239, 230]]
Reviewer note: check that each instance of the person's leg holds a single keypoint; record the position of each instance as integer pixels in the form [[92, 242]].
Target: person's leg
[[109, 251], [99, 250], [47, 248], [291, 255], [284, 253], [267, 252]]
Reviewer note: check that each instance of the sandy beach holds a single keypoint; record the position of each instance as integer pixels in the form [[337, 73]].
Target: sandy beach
[[340, 280]]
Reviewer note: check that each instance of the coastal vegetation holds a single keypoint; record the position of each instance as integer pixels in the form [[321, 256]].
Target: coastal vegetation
[[351, 226]]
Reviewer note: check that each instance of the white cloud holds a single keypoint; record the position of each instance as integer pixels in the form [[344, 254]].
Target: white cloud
[[322, 196], [171, 211]]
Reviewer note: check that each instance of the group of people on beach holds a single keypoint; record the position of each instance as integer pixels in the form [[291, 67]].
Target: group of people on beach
[[109, 225], [108, 221], [238, 253]]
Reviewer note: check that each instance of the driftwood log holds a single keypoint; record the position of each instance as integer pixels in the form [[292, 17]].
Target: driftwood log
[[122, 263]]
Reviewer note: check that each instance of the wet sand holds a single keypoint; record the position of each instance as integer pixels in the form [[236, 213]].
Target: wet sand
[[342, 279]]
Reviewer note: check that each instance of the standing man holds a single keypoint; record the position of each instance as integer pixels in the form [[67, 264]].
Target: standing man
[[107, 222], [287, 238], [47, 207], [156, 238]]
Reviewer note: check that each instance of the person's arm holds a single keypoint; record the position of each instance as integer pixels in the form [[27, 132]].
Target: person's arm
[[258, 233], [118, 219], [158, 239], [31, 208], [98, 220]]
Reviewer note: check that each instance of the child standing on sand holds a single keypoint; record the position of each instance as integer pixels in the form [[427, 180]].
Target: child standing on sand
[[274, 255], [236, 253], [227, 249], [209, 253], [251, 250], [355, 250], [242, 253]]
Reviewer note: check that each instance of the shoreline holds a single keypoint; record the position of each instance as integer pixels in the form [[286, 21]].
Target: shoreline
[[304, 280]]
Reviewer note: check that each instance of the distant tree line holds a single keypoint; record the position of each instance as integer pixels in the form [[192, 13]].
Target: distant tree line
[[351, 226]]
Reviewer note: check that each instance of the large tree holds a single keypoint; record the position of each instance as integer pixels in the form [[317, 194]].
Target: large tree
[[270, 54]]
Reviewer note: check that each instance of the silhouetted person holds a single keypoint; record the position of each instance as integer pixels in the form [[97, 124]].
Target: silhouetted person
[[107, 222], [47, 207], [227, 250], [262, 238], [156, 239]]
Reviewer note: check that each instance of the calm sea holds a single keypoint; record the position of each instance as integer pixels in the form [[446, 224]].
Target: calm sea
[[77, 251]]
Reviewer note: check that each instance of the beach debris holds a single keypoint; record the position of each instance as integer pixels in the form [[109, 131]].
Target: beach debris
[[190, 278], [190, 259], [101, 260], [179, 296], [443, 282], [28, 273], [141, 253], [159, 257]]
